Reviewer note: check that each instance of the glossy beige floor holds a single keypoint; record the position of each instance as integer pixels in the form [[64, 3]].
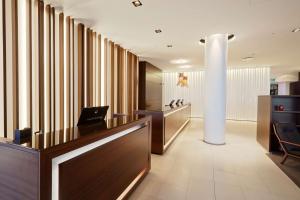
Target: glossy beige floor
[[192, 169]]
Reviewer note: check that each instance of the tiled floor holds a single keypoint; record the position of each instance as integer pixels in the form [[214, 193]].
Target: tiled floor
[[192, 169]]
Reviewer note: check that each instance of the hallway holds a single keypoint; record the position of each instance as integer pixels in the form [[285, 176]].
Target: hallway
[[192, 169]]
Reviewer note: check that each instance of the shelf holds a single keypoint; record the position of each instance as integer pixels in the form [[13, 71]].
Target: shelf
[[287, 111]]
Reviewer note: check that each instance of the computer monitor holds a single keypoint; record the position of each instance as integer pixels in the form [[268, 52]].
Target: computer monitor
[[92, 115], [171, 103]]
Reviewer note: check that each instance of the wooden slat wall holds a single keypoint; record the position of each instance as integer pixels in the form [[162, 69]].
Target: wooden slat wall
[[65, 67]]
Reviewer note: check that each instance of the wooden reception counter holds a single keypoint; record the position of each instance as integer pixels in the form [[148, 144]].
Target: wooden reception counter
[[166, 125], [104, 161]]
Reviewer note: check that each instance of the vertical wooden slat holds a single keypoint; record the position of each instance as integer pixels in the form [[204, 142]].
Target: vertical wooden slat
[[120, 80], [105, 70], [94, 69], [4, 69], [30, 64], [135, 82], [61, 69], [53, 68], [47, 43], [99, 69], [129, 81], [67, 82], [80, 68], [112, 78], [73, 75], [41, 64], [89, 68]]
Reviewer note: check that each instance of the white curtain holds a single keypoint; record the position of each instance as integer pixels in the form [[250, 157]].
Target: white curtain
[[243, 87]]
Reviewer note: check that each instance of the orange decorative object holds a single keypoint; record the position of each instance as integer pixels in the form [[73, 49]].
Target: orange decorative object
[[182, 80]]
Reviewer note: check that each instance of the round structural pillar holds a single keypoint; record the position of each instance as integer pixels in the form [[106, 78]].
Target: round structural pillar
[[216, 53]]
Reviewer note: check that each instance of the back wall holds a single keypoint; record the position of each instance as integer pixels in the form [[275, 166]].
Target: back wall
[[243, 87]]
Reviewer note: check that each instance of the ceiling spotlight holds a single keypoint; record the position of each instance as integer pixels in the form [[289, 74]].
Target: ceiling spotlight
[[169, 46], [202, 41], [296, 30], [137, 3], [179, 61], [248, 58], [158, 31], [231, 37], [185, 66]]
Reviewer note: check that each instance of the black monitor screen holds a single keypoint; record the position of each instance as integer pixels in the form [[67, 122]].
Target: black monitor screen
[[92, 115]]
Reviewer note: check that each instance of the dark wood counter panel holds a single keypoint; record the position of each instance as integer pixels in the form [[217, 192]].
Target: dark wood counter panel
[[167, 123], [104, 161]]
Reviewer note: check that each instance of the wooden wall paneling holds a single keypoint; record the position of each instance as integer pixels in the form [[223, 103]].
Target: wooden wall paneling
[[41, 64], [99, 68], [61, 70], [112, 78], [67, 76], [81, 61]]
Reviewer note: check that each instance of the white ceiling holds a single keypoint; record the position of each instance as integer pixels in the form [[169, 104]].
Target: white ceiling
[[262, 29]]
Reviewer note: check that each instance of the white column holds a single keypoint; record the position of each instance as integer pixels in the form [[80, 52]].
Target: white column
[[216, 47]]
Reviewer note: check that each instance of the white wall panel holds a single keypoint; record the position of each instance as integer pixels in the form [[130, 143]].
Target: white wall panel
[[243, 87]]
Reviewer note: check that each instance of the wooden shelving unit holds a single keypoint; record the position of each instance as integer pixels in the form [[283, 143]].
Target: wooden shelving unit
[[267, 114]]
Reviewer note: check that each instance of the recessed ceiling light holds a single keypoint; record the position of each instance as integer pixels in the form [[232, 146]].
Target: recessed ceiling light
[[179, 61], [169, 46], [231, 37], [158, 31], [137, 3], [185, 66], [296, 30], [248, 58]]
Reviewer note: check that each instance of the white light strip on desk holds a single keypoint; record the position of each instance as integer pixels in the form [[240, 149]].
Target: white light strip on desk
[[175, 135], [77, 152]]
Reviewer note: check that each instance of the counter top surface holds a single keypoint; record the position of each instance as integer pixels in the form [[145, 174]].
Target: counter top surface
[[44, 141], [168, 108]]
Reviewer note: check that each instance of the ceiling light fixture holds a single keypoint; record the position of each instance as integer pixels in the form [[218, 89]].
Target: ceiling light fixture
[[179, 61], [137, 3], [169, 46], [158, 31], [185, 66], [248, 58], [231, 37], [296, 30]]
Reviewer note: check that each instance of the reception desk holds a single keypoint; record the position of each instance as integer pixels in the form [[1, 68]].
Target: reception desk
[[103, 161], [166, 125]]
